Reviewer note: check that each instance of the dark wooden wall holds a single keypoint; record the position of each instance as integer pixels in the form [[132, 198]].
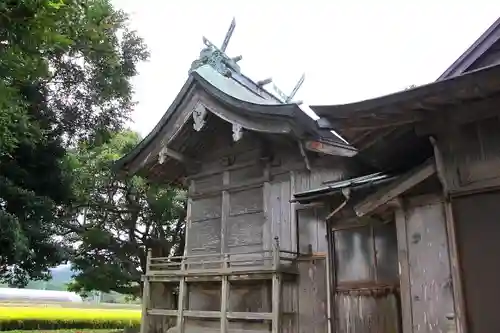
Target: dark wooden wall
[[471, 154], [478, 231]]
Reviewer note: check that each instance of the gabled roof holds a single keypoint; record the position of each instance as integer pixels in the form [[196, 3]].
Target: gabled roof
[[474, 52], [216, 83]]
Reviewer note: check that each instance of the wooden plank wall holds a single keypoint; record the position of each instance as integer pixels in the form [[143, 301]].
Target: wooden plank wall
[[243, 206], [358, 313], [471, 155], [312, 310], [312, 232], [311, 221], [425, 241]]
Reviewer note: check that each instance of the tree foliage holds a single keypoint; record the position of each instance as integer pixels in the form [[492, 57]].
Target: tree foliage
[[65, 69], [119, 220]]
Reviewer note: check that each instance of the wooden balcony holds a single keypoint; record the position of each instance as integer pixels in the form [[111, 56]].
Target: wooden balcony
[[275, 265], [212, 267]]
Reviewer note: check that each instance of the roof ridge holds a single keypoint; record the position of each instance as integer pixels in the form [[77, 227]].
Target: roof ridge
[[467, 59], [229, 67]]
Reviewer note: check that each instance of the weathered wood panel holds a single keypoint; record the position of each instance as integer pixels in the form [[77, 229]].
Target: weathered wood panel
[[366, 313], [207, 208], [354, 255], [312, 297], [203, 297], [206, 183], [386, 252], [429, 265], [161, 297], [478, 229], [366, 296], [247, 173], [244, 230], [311, 222], [290, 307], [472, 155], [246, 201], [404, 268], [250, 297], [280, 213], [204, 237]]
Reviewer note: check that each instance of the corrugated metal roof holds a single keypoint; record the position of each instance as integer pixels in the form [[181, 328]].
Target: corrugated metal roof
[[332, 188]]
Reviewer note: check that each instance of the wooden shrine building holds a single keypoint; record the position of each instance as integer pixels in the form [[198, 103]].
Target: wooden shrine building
[[292, 229], [241, 152]]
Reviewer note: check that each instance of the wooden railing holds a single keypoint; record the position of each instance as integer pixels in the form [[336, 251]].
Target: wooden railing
[[223, 264], [272, 264]]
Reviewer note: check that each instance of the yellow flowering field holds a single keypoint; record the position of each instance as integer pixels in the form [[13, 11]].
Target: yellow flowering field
[[46, 317]]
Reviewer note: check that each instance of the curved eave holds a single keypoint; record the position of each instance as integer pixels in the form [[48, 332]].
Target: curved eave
[[303, 125], [251, 107], [430, 97], [120, 165]]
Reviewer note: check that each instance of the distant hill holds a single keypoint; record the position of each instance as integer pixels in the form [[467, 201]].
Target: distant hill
[[61, 276]]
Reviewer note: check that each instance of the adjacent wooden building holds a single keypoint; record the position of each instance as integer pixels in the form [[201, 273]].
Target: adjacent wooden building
[[292, 229]]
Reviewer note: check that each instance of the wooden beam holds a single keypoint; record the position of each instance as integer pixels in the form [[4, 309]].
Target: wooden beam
[[180, 303], [146, 298], [168, 152], [455, 115], [404, 266], [396, 188], [457, 285], [328, 149]]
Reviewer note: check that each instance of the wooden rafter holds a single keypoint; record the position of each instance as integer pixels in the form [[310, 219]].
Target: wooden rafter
[[396, 188]]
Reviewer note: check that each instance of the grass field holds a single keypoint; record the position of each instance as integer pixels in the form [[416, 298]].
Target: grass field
[[42, 317]]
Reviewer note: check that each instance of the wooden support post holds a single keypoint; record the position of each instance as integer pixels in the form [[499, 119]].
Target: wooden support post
[[145, 297], [225, 212], [224, 298], [267, 231], [330, 280], [276, 293], [458, 296], [180, 303], [404, 270]]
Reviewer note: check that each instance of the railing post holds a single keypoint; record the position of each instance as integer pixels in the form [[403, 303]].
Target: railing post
[[276, 285], [224, 297], [452, 325], [180, 303], [145, 295], [276, 253]]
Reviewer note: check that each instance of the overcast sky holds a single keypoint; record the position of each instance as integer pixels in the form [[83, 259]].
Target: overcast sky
[[349, 50]]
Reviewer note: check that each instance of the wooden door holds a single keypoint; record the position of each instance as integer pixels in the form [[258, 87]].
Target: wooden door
[[366, 297]]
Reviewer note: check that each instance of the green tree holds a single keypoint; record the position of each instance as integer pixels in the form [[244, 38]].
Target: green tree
[[119, 220], [65, 69]]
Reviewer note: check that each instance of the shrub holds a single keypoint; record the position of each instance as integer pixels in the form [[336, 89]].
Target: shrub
[[30, 318]]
